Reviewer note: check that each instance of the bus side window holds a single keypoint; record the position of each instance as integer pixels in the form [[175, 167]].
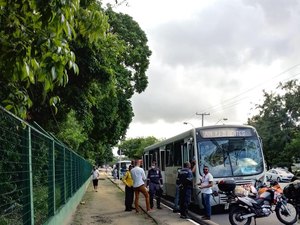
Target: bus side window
[[177, 153], [169, 155], [162, 160]]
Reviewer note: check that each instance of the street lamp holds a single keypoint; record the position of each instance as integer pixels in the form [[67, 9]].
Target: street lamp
[[186, 123], [119, 169], [224, 119]]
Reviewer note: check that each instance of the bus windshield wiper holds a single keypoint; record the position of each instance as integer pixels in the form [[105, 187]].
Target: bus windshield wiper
[[224, 154]]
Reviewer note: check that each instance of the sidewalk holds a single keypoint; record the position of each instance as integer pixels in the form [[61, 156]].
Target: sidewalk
[[107, 207], [164, 216]]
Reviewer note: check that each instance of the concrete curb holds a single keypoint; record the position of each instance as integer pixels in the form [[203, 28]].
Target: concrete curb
[[160, 221], [145, 211]]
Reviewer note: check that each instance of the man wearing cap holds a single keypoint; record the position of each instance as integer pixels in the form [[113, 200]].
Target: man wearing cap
[[155, 182]]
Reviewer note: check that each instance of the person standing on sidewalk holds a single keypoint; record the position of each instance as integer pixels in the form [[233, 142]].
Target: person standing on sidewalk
[[127, 180], [185, 184], [206, 191], [176, 200], [95, 176], [139, 178], [155, 182]]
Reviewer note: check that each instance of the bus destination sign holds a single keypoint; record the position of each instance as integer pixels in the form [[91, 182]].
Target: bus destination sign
[[226, 132]]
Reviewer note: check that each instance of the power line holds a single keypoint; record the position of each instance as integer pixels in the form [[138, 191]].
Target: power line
[[229, 103]]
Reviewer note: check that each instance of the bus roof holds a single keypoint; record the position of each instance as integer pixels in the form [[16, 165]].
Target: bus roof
[[191, 133], [124, 161]]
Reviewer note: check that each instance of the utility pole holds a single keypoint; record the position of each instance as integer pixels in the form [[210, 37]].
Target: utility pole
[[202, 115]]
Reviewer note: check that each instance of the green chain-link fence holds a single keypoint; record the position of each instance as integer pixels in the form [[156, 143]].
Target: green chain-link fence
[[38, 174]]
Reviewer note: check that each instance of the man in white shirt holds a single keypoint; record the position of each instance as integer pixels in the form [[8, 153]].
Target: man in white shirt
[[206, 191], [95, 176], [139, 178]]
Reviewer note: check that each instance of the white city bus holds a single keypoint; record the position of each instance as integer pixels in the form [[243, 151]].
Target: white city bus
[[230, 151]]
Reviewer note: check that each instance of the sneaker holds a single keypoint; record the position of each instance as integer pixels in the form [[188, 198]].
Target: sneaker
[[183, 217], [158, 207], [175, 210], [128, 210]]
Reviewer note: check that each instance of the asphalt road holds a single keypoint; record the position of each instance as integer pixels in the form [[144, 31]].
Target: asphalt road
[[223, 219]]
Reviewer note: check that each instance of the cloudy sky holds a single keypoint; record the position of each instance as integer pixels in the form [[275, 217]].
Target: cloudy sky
[[212, 57]]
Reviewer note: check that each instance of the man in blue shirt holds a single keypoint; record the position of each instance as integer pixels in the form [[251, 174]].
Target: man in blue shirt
[[185, 184], [155, 182]]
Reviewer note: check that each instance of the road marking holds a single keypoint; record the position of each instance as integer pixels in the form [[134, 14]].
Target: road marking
[[192, 221]]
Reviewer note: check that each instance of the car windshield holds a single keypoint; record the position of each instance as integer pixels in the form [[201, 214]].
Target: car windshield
[[227, 157]]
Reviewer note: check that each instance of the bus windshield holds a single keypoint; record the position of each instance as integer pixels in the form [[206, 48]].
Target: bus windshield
[[228, 157]]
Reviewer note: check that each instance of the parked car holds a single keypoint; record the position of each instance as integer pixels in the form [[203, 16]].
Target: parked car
[[279, 175]]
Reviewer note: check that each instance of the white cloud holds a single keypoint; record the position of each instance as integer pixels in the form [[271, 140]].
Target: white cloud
[[211, 56]]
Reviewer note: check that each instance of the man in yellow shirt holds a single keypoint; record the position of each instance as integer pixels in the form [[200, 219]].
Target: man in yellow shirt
[[127, 180]]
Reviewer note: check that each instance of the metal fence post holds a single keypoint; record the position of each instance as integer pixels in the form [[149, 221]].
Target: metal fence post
[[28, 215], [51, 183], [65, 178]]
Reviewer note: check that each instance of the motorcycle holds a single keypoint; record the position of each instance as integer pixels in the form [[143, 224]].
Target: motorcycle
[[292, 192], [269, 199]]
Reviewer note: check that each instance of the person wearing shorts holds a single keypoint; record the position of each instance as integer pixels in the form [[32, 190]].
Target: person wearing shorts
[[95, 177]]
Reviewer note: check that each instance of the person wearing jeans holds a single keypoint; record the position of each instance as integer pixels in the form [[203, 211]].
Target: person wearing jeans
[[206, 191], [176, 200]]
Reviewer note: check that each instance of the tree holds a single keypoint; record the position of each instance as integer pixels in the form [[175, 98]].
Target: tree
[[293, 147], [277, 124], [89, 60], [34, 51], [131, 77], [107, 81], [72, 132], [133, 148]]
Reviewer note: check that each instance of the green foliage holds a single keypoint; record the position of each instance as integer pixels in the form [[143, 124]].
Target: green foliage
[[133, 148], [71, 131], [136, 54], [72, 67], [35, 49], [101, 94], [292, 148], [4, 221], [277, 123], [40, 197], [10, 168]]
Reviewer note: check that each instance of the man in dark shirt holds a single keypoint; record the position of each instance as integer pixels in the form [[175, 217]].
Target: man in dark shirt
[[185, 184], [155, 182]]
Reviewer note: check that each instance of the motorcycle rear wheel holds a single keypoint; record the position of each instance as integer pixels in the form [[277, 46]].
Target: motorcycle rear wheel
[[287, 213], [235, 214]]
